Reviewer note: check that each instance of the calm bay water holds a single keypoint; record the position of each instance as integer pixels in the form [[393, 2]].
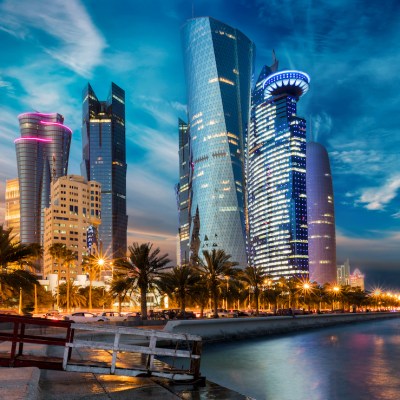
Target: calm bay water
[[348, 362]]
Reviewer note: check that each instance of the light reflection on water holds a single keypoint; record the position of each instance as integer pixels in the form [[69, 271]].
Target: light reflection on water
[[350, 362]]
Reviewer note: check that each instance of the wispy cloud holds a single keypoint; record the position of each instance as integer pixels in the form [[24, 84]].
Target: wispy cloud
[[320, 123], [79, 45], [376, 198]]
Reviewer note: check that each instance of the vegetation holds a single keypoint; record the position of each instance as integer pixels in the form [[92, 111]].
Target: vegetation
[[215, 267], [142, 269], [211, 281]]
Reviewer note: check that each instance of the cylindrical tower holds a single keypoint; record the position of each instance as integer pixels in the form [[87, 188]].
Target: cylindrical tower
[[321, 216], [42, 156]]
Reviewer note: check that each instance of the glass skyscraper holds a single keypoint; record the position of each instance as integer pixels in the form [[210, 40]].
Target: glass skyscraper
[[104, 161], [276, 173], [320, 216], [42, 156], [183, 193], [218, 67]]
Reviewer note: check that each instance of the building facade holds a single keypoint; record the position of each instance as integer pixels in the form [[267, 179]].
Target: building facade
[[218, 69], [12, 214], [357, 279], [42, 156], [72, 217], [104, 161], [320, 216], [183, 193], [343, 273], [276, 175]]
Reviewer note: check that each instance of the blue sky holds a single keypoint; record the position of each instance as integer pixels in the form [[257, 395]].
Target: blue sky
[[350, 49]]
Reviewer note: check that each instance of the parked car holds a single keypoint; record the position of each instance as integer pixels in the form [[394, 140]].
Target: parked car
[[84, 317], [222, 313], [186, 315], [114, 316]]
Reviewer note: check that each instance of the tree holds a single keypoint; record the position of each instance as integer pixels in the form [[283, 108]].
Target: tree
[[92, 265], [254, 277], [179, 283], [63, 257], [71, 296], [16, 254], [120, 286], [215, 267], [12, 251], [142, 268]]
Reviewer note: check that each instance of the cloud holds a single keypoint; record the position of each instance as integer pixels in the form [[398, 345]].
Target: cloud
[[78, 43], [380, 246], [376, 198], [321, 124]]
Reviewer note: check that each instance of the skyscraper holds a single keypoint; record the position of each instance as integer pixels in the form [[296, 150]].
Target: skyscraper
[[104, 161], [183, 193], [42, 156], [320, 216], [276, 173], [218, 68]]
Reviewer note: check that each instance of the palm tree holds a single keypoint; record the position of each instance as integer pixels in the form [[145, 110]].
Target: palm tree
[[92, 265], [254, 277], [142, 268], [215, 267], [62, 256], [120, 286], [178, 283], [14, 252], [71, 296]]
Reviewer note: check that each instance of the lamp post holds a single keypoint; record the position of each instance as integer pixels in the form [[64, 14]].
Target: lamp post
[[336, 290], [227, 289]]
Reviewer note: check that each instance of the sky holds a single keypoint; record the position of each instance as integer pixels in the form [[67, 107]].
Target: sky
[[350, 48]]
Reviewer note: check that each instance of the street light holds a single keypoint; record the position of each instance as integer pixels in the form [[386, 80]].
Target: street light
[[336, 290]]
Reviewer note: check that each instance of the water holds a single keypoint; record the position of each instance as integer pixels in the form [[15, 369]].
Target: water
[[348, 362]]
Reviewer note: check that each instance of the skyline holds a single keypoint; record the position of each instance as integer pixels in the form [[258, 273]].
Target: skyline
[[347, 49]]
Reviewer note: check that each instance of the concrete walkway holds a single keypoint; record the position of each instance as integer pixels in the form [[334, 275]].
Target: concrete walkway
[[19, 383], [33, 384]]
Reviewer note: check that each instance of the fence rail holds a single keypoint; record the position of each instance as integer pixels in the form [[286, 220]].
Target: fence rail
[[98, 348]]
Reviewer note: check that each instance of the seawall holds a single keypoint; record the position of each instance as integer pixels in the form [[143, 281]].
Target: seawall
[[241, 328]]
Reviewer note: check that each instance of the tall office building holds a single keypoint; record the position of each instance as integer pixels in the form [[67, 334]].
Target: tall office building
[[104, 161], [42, 156], [12, 214], [276, 175], [218, 68], [183, 190], [320, 216], [343, 273], [71, 218]]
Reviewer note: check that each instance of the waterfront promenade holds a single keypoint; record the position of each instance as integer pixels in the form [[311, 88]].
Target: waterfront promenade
[[32, 384]]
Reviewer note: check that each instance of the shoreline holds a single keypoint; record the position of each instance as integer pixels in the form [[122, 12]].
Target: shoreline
[[228, 329]]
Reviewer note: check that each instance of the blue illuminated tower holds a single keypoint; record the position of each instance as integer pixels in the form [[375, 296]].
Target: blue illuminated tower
[[276, 172], [320, 216], [218, 69], [42, 156], [104, 161]]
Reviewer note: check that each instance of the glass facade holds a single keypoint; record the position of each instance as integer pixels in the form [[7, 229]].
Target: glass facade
[[104, 161], [183, 193], [218, 68], [276, 175], [42, 156], [320, 216]]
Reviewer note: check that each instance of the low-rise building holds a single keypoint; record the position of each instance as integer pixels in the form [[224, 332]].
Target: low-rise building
[[72, 219]]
